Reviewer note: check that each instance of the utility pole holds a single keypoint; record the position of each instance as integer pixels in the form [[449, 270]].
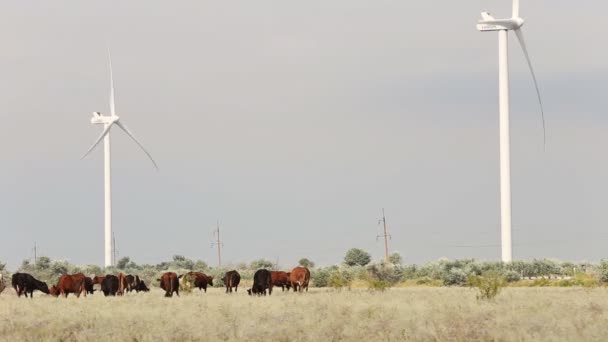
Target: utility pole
[[218, 243], [386, 236], [35, 255], [113, 249]]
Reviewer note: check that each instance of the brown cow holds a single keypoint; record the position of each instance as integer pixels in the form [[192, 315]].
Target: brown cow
[[280, 278], [70, 283], [232, 279], [299, 277], [170, 283], [122, 284], [201, 280], [98, 280]]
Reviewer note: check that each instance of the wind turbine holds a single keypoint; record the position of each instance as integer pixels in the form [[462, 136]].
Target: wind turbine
[[108, 121], [503, 26]]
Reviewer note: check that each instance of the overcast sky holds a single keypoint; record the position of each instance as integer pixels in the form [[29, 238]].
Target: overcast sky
[[294, 124]]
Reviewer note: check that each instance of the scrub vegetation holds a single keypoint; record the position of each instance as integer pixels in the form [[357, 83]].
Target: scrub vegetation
[[405, 314], [357, 300]]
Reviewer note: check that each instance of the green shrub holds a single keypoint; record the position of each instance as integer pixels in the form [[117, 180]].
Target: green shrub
[[455, 277], [489, 285], [542, 282], [338, 280], [586, 280], [511, 276], [377, 284]]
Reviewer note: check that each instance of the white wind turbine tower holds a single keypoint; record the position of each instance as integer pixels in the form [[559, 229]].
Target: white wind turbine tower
[[503, 26], [108, 121]]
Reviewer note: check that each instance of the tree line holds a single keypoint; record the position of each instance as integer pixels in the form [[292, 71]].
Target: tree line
[[357, 266]]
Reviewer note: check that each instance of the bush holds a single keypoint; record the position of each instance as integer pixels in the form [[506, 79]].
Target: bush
[[377, 284], [488, 285], [320, 278], [357, 257], [455, 277], [511, 276], [586, 280], [338, 280], [389, 273]]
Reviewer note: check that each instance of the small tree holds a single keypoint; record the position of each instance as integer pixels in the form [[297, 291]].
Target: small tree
[[357, 257], [489, 285], [261, 263], [304, 262], [122, 263], [395, 259], [43, 263]]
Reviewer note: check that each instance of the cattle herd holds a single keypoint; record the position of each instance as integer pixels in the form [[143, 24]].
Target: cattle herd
[[118, 285]]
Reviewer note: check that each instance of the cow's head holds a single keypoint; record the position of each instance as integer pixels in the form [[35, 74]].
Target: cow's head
[[142, 287], [54, 291], [210, 280], [97, 280]]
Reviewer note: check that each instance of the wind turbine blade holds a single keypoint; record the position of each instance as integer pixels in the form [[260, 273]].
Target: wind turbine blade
[[124, 128], [103, 134], [515, 8], [112, 104], [522, 42]]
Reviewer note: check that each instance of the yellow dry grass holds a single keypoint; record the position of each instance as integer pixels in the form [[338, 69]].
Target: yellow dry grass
[[404, 314]]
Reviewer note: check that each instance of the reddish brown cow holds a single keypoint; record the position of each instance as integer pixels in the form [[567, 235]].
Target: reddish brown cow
[[280, 278], [98, 280], [201, 280], [70, 283], [299, 277], [122, 284], [170, 283]]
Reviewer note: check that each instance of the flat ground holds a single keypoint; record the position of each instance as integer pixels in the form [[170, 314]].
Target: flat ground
[[419, 314]]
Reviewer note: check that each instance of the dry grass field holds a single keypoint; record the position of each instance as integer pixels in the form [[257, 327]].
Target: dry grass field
[[407, 314]]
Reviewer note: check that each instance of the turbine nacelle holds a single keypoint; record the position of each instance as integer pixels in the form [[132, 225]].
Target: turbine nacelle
[[98, 118], [489, 23]]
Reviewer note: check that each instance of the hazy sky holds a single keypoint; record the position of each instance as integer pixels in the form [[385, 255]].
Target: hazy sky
[[294, 124]]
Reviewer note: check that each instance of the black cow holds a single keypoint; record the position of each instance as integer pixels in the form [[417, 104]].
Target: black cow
[[261, 282], [132, 282], [141, 286], [109, 285], [88, 285], [24, 283], [232, 279]]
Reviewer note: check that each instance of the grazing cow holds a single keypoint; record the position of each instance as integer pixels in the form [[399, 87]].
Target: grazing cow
[[132, 282], [70, 283], [98, 280], [24, 283], [299, 277], [170, 283], [122, 284], [261, 282], [141, 286], [232, 279], [88, 285], [109, 285], [201, 280], [2, 285], [281, 279]]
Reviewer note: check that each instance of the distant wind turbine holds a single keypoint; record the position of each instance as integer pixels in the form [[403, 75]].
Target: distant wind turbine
[[108, 122], [489, 23]]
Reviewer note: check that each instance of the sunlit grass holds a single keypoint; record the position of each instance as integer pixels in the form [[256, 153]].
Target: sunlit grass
[[419, 313]]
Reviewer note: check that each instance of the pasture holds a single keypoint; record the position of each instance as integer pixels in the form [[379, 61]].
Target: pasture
[[404, 314]]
